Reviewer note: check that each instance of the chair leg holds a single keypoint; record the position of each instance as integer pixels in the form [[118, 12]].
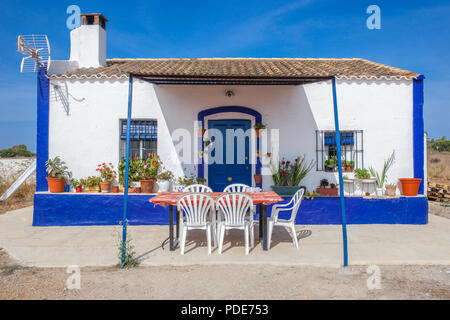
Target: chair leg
[[222, 235], [294, 235], [269, 233], [183, 238], [252, 236], [246, 239], [208, 238], [215, 233]]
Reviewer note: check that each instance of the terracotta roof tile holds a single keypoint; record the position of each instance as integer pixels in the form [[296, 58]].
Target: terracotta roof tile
[[242, 68]]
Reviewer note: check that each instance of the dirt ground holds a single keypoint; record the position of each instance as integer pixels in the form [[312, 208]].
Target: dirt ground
[[438, 166], [224, 282]]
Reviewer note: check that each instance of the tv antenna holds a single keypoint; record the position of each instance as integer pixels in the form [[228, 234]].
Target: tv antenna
[[36, 51]]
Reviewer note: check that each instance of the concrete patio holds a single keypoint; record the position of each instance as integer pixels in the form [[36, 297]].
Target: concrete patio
[[320, 245]]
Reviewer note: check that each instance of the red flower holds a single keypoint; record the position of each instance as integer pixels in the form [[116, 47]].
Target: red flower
[[296, 160], [282, 162], [284, 172]]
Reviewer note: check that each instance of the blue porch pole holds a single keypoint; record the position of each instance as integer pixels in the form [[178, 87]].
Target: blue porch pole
[[127, 164], [341, 180]]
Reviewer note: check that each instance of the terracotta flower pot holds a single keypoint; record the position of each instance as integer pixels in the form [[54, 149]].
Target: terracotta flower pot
[[105, 187], [410, 186], [390, 190], [147, 185], [56, 185], [327, 191], [137, 190], [115, 189], [258, 178]]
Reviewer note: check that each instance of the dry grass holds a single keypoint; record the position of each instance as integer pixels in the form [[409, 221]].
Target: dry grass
[[438, 167], [23, 197]]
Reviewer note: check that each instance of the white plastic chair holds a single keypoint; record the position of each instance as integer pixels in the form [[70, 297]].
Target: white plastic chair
[[293, 205], [234, 207], [236, 187], [197, 188], [239, 187], [194, 209]]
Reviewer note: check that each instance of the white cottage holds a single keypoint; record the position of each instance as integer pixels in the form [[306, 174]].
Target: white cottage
[[380, 110]]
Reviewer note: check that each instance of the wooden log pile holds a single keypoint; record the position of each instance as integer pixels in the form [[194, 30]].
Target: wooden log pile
[[438, 192]]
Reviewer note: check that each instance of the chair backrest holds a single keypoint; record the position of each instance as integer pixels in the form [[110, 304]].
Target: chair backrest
[[195, 207], [197, 188], [236, 187], [296, 201], [234, 207]]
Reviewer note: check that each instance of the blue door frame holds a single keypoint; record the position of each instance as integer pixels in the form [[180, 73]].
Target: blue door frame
[[222, 174]]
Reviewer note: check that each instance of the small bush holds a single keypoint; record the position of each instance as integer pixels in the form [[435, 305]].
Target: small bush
[[12, 153]]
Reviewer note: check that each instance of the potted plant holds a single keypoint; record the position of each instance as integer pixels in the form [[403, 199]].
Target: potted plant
[[57, 175], [164, 180], [287, 176], [201, 180], [107, 175], [258, 128], [330, 164], [391, 189], [258, 178], [186, 181], [410, 186], [381, 177], [362, 174], [350, 165], [91, 184], [325, 191], [148, 171], [76, 185]]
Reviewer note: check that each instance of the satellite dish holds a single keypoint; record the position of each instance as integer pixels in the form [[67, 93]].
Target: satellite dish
[[36, 49]]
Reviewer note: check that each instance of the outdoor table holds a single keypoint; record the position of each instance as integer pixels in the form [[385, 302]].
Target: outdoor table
[[262, 199]]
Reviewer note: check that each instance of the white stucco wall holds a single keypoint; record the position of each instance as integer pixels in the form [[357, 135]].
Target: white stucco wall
[[90, 133]]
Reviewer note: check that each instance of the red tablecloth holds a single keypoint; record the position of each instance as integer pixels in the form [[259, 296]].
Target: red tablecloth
[[171, 198]]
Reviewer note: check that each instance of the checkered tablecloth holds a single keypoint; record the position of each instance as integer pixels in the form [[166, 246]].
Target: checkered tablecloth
[[171, 198]]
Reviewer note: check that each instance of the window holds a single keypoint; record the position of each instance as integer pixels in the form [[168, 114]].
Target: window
[[143, 138], [351, 150]]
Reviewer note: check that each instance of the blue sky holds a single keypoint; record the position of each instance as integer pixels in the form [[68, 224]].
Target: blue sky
[[414, 35]]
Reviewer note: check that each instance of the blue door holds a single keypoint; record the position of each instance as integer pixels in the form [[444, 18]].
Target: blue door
[[237, 169]]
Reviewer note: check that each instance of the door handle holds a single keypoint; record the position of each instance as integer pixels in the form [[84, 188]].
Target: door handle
[[229, 179]]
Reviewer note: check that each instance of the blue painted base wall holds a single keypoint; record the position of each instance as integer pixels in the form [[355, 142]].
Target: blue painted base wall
[[95, 209]]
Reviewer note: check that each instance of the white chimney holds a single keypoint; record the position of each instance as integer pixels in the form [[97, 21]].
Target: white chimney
[[88, 42]]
